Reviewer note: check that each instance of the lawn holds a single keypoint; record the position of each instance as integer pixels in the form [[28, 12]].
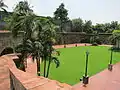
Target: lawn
[[73, 63]]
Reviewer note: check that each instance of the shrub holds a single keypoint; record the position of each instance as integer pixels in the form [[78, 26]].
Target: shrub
[[94, 44]]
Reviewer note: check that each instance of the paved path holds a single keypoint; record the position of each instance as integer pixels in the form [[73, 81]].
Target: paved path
[[71, 45], [78, 44], [105, 80]]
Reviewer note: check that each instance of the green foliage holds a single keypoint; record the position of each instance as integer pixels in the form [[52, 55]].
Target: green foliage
[[20, 19], [2, 6], [38, 34], [107, 27], [56, 61], [60, 16], [116, 31], [115, 35], [77, 25], [87, 27]]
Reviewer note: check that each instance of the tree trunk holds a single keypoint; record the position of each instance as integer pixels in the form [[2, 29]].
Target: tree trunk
[[25, 59], [61, 30], [48, 67], [38, 66], [118, 43], [45, 66]]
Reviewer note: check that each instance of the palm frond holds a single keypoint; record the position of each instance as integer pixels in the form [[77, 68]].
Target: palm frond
[[56, 61]]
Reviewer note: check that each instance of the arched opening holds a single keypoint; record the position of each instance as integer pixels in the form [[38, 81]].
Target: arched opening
[[7, 50]]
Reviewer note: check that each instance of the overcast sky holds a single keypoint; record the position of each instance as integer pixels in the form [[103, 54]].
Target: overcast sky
[[99, 11]]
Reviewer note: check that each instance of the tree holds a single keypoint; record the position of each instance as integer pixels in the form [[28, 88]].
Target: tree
[[21, 18], [107, 28], [2, 10], [114, 25], [36, 43], [77, 25], [52, 59], [48, 37], [20, 21], [115, 36], [61, 16], [87, 27], [37, 33], [33, 48], [99, 28], [3, 6]]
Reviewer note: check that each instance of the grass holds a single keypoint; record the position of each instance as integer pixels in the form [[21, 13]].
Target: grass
[[73, 63]]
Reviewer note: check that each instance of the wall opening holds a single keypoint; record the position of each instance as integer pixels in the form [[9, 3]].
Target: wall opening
[[7, 50]]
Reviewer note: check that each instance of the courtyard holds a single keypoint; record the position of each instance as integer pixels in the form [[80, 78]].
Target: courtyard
[[72, 62]]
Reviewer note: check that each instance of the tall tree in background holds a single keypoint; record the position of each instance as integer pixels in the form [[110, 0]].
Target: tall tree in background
[[107, 28], [77, 25], [99, 28], [88, 27], [2, 10], [114, 25], [3, 6], [61, 16]]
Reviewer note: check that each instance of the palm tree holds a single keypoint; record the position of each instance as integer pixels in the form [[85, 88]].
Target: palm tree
[[32, 48], [52, 59], [55, 60], [3, 6], [47, 35], [24, 48], [37, 33], [20, 21], [21, 18], [36, 52]]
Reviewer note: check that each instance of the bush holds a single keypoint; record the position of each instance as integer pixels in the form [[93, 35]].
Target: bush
[[94, 44]]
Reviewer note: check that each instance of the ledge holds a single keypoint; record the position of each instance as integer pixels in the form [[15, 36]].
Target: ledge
[[20, 80]]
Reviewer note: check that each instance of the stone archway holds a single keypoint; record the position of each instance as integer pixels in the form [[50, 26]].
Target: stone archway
[[7, 50]]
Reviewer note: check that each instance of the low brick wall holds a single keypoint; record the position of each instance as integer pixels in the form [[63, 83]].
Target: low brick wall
[[15, 84], [12, 78], [6, 39]]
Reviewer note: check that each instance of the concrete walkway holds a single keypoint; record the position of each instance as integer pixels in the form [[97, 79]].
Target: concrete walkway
[[105, 80]]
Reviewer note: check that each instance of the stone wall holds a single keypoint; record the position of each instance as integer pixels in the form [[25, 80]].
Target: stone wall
[[6, 39], [15, 84], [70, 38], [76, 37]]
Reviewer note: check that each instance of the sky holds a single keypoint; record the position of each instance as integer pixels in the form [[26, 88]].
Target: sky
[[98, 11]]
